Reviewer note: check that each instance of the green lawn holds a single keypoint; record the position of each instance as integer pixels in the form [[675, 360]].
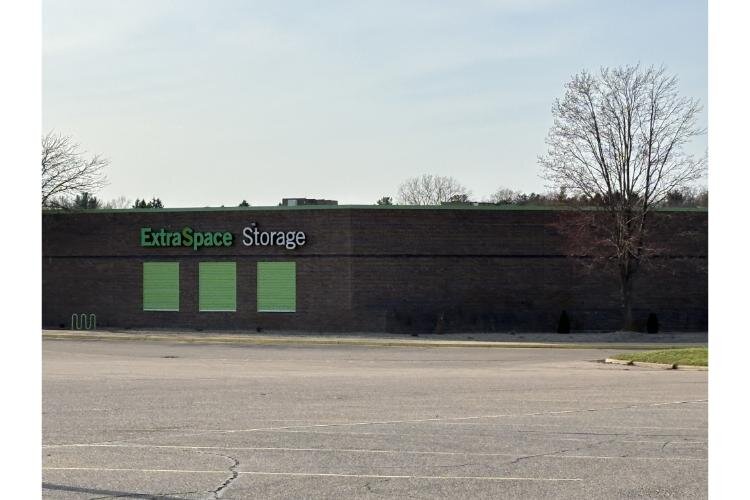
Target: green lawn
[[696, 356]]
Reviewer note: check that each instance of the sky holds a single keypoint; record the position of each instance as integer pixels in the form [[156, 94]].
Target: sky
[[207, 103]]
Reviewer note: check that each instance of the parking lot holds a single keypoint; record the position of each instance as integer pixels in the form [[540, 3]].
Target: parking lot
[[178, 421]]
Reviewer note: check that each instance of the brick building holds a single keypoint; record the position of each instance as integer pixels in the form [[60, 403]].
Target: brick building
[[355, 269]]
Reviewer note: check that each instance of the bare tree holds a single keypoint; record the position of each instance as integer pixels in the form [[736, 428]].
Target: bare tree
[[65, 170], [119, 202], [618, 139], [504, 195], [429, 189]]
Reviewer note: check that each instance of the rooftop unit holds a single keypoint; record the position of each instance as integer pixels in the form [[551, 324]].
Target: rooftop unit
[[294, 202]]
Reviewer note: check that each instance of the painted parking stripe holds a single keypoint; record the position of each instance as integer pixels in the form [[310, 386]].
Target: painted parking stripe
[[298, 428], [315, 474], [359, 450], [436, 419]]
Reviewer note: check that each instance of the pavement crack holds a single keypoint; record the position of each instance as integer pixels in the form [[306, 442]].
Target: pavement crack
[[558, 452], [526, 457], [219, 491]]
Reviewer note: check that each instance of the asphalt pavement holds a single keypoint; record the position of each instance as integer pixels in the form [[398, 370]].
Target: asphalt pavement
[[189, 421]]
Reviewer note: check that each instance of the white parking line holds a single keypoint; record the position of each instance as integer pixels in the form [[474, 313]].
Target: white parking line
[[360, 450], [315, 474], [588, 426], [298, 428], [671, 443], [438, 419], [449, 419]]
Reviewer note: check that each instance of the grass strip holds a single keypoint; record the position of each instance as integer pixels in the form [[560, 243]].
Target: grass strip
[[694, 356]]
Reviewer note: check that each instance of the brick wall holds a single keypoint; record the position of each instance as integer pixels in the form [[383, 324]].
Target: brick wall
[[376, 270]]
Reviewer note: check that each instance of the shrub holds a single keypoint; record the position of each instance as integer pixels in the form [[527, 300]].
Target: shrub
[[563, 324], [440, 326], [652, 323]]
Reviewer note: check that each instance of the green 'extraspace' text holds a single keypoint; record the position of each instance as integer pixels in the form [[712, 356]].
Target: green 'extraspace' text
[[185, 238]]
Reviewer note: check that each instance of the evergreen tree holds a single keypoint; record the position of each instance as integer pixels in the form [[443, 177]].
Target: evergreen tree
[[86, 201], [154, 203]]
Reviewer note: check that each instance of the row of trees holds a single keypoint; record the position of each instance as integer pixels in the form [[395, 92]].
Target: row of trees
[[88, 201], [430, 189]]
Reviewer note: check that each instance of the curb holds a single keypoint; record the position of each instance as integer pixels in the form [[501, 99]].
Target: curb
[[182, 338], [663, 366], [692, 367], [613, 361]]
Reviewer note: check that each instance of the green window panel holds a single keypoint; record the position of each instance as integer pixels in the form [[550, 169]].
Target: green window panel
[[217, 286], [277, 287], [161, 286]]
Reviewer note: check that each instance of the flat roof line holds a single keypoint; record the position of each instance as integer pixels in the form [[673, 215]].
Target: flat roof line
[[490, 208]]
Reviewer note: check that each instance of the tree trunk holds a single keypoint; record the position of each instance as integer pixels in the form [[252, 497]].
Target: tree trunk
[[626, 296]]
